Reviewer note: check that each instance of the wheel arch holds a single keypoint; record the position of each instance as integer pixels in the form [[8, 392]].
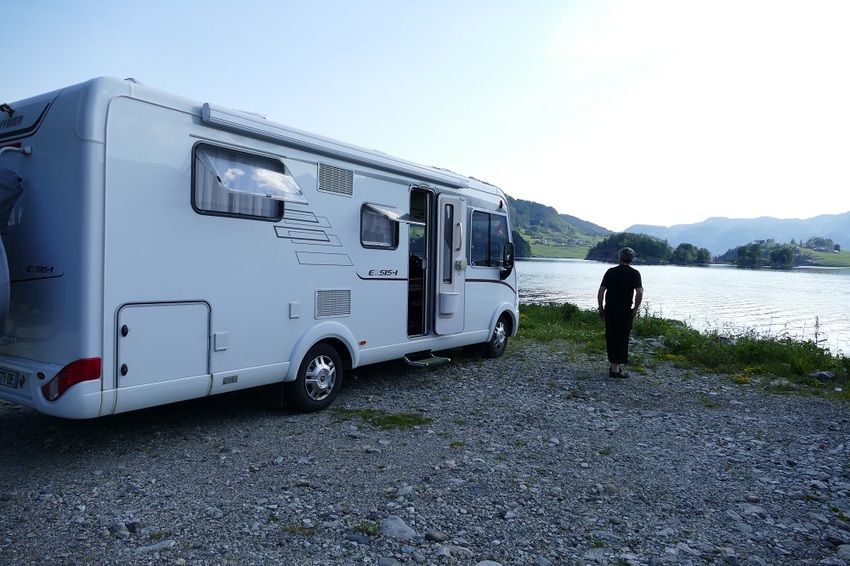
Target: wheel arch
[[512, 318], [332, 333]]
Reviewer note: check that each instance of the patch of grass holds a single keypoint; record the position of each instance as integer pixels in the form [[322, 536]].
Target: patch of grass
[[751, 353], [457, 444], [596, 542], [741, 354], [841, 393], [365, 527], [381, 419], [553, 321], [841, 515], [295, 529], [782, 386]]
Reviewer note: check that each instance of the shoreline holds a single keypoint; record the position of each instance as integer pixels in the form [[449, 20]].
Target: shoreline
[[718, 263]]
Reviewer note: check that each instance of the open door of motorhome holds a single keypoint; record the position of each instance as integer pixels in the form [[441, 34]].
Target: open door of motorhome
[[451, 264]]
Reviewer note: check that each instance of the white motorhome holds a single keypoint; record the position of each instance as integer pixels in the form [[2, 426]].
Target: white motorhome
[[160, 249]]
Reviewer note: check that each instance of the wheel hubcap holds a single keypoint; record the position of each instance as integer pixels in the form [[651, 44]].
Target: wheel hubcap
[[499, 337], [320, 378]]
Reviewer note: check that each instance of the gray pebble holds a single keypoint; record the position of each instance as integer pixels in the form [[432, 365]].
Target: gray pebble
[[532, 458]]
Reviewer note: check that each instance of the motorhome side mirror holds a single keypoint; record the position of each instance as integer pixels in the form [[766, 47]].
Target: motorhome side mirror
[[508, 256], [507, 260]]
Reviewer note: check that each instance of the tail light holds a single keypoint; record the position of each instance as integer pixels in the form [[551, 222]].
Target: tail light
[[77, 371]]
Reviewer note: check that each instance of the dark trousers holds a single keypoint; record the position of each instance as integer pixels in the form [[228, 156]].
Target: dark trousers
[[617, 331]]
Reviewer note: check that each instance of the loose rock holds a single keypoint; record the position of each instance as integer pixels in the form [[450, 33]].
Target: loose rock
[[533, 458]]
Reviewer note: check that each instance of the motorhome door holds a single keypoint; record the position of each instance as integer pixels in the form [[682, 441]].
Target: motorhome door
[[451, 264]]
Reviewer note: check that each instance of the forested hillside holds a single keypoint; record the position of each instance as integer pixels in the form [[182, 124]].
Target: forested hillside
[[540, 224]]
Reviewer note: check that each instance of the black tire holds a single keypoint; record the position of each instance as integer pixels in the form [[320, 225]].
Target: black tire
[[318, 382], [498, 343]]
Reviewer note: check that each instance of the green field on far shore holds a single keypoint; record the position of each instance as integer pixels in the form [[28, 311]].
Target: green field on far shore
[[830, 259], [560, 252]]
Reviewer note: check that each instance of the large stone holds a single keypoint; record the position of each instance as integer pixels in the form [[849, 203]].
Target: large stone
[[395, 527]]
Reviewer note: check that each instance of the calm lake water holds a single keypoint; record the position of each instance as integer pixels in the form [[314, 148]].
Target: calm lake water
[[802, 303]]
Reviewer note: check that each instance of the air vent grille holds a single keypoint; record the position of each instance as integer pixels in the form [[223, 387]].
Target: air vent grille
[[336, 180], [333, 302]]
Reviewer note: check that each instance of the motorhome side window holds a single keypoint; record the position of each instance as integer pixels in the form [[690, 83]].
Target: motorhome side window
[[232, 183], [489, 235], [377, 230]]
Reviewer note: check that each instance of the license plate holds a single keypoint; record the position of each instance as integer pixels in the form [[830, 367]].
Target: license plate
[[10, 378]]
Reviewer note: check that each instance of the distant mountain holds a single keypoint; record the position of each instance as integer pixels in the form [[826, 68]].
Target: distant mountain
[[721, 234]]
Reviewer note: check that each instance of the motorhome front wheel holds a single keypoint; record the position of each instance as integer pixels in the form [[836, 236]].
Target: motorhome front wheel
[[319, 379], [498, 342]]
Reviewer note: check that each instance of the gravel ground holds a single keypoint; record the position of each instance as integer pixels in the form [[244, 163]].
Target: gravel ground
[[535, 458]]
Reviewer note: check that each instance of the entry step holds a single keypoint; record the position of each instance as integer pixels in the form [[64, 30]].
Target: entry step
[[425, 359]]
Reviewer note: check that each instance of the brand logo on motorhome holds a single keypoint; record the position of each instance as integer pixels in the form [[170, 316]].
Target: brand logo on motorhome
[[11, 122]]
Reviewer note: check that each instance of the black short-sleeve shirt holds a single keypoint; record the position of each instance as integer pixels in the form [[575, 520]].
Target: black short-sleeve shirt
[[620, 283]]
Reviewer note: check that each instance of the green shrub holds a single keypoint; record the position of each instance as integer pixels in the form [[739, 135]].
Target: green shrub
[[738, 353]]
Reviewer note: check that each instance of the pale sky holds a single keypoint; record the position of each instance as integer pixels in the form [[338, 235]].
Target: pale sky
[[618, 112]]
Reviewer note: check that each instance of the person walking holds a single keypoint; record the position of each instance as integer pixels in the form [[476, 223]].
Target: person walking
[[619, 298]]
